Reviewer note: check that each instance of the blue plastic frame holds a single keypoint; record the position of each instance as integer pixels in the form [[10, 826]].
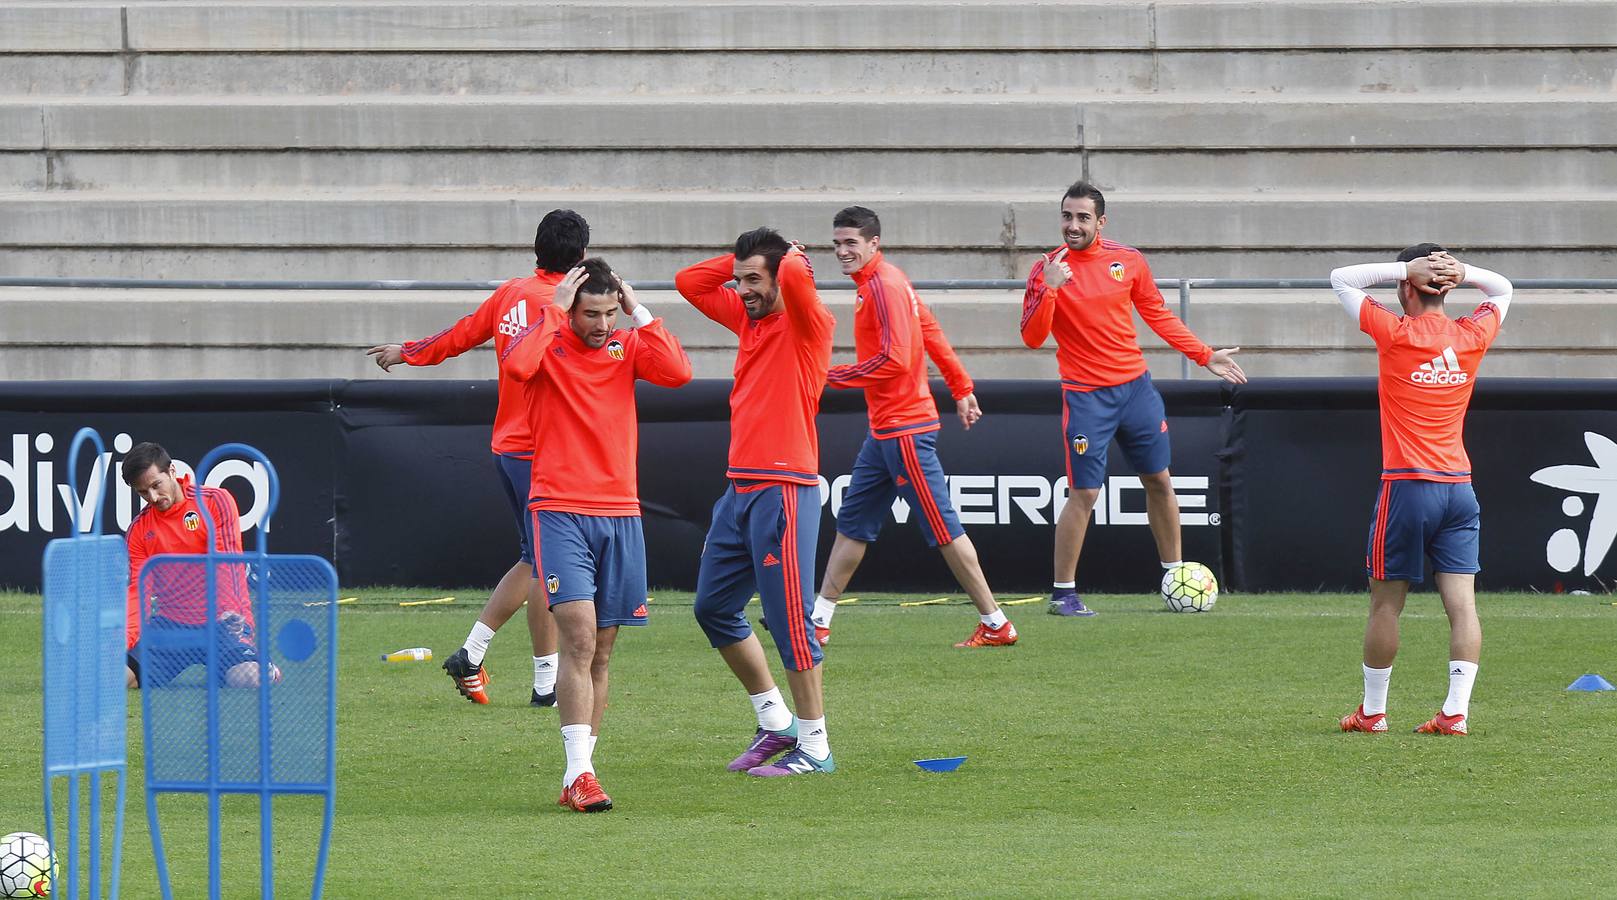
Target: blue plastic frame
[[118, 767], [266, 789]]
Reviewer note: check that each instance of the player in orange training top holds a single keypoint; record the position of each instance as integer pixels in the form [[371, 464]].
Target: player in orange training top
[[558, 245], [1085, 292], [577, 371], [175, 603], [1425, 508], [893, 333], [766, 526]]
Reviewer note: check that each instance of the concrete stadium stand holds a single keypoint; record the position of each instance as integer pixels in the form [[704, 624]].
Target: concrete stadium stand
[[111, 334], [349, 139]]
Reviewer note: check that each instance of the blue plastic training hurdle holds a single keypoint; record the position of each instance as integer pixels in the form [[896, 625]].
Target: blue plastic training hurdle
[[276, 736], [86, 709]]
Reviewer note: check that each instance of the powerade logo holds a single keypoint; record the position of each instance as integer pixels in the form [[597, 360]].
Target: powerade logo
[[1005, 499], [40, 497]]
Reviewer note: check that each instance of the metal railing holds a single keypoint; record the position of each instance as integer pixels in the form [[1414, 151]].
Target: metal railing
[[1183, 286]]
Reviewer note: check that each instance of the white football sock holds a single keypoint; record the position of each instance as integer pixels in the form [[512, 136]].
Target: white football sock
[[593, 739], [823, 611], [812, 739], [1375, 689], [1462, 675], [1170, 565], [477, 642], [544, 673], [771, 709], [575, 742], [995, 620], [1065, 585]]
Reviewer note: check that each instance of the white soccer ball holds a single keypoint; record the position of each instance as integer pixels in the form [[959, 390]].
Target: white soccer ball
[[27, 866], [1189, 587]]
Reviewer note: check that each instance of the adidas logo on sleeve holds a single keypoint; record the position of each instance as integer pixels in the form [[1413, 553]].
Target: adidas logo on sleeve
[[514, 320], [1444, 369]]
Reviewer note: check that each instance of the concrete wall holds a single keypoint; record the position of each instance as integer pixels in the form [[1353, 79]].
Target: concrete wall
[[371, 139]]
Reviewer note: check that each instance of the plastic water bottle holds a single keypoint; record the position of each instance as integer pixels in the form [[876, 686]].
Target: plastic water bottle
[[413, 654]]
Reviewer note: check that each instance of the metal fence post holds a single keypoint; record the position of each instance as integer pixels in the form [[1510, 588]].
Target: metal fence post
[[1184, 316]]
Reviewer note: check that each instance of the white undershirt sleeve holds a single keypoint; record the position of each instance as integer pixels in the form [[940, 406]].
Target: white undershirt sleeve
[[1496, 286], [1349, 282]]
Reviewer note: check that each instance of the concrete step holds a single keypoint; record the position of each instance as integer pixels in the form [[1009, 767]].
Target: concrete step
[[783, 24], [609, 170], [1149, 122], [953, 222], [660, 263], [257, 334], [899, 171], [1473, 71]]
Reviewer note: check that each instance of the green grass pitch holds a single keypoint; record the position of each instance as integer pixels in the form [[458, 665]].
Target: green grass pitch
[[1136, 753]]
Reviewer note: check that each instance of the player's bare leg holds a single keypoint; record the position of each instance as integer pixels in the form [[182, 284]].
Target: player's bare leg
[[993, 628], [746, 659], [465, 666], [542, 633], [1162, 511], [1465, 648], [605, 638], [1460, 603], [807, 693], [1380, 648], [575, 688], [1381, 632], [961, 555], [1071, 526], [575, 639], [846, 554]]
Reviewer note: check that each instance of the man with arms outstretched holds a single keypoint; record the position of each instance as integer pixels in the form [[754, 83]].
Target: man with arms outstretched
[[1425, 508], [558, 246], [765, 527], [577, 372], [1085, 292], [893, 334]]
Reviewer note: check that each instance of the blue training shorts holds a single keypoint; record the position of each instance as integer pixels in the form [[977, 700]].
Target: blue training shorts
[[1415, 520], [597, 558], [763, 538], [906, 467], [172, 647], [515, 477], [1132, 411]]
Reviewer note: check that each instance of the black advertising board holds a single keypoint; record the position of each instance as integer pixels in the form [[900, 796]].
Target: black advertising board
[[290, 421], [394, 481]]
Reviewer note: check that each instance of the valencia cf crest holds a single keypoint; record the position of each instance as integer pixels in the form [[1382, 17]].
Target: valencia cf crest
[[552, 583], [192, 521], [1116, 269], [614, 349], [858, 301], [1080, 444]]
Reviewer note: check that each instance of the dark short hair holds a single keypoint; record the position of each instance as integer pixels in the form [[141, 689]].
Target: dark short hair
[[765, 242], [598, 278], [861, 218], [1420, 251], [561, 240], [1082, 189], [141, 457]]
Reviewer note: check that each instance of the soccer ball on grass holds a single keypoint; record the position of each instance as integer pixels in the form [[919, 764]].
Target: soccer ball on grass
[[1189, 587], [27, 867]]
